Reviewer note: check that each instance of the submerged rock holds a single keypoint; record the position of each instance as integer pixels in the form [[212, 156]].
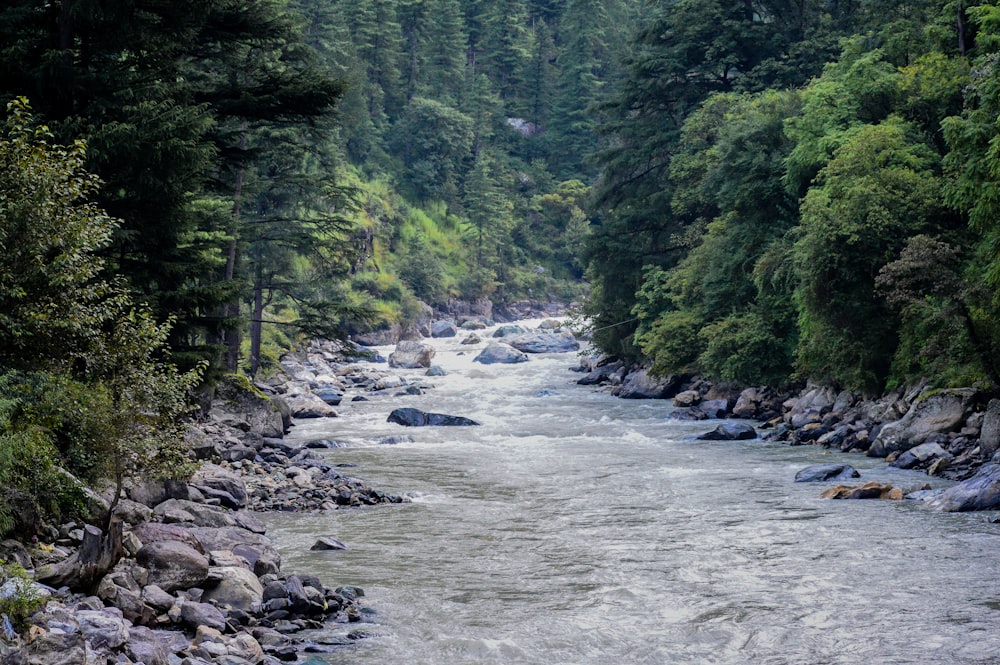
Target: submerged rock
[[411, 355], [730, 432], [417, 418], [870, 490], [544, 342], [981, 492], [822, 472], [499, 353]]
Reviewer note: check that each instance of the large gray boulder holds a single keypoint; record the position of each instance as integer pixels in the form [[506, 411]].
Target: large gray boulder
[[241, 405], [220, 483], [822, 472], [411, 354], [498, 353], [981, 492], [308, 405], [145, 647], [989, 435], [934, 413], [104, 629], [643, 385], [255, 548], [444, 329], [921, 456], [172, 565], [179, 511], [730, 431], [544, 342], [237, 588], [416, 418]]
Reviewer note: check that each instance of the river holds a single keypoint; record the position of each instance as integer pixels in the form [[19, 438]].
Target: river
[[576, 528]]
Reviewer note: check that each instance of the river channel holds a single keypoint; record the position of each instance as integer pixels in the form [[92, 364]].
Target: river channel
[[573, 527]]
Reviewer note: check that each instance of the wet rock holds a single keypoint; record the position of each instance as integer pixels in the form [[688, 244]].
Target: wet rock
[[541, 342], [308, 405], [508, 330], [173, 565], [934, 413], [498, 353], [411, 355], [328, 543], [435, 370], [981, 492], [687, 398], [472, 339], [923, 455], [330, 396], [730, 431], [642, 385], [823, 472], [870, 490], [444, 329], [417, 418]]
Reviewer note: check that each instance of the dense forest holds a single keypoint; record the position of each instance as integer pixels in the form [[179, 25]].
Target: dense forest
[[757, 192]]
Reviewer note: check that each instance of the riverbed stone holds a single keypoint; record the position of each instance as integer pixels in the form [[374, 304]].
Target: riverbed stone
[[640, 384], [104, 629], [981, 492], [989, 433], [869, 490], [933, 413], [221, 483], [328, 543], [410, 354], [498, 353], [824, 472], [409, 417], [237, 588], [306, 405], [173, 565], [255, 548], [543, 342], [923, 455], [444, 329], [730, 431]]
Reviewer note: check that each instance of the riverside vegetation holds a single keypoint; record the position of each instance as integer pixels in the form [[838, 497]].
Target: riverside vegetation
[[760, 194]]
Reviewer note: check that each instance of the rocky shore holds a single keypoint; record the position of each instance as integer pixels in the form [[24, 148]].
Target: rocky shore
[[952, 434], [183, 573]]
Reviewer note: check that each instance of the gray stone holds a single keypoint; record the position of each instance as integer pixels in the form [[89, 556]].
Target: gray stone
[[642, 385], [328, 543], [416, 418], [730, 431], [199, 514], [504, 331], [173, 565], [498, 353], [989, 433], [308, 405], [103, 628], [237, 588], [246, 409], [215, 477], [411, 355], [543, 342], [687, 398], [823, 472], [923, 455], [444, 329], [255, 548], [145, 647], [202, 614], [934, 413], [981, 492], [157, 598]]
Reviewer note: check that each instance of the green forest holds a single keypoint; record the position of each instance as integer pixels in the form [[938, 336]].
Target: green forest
[[758, 192]]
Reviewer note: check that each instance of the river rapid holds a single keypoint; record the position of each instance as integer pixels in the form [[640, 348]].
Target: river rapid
[[573, 527]]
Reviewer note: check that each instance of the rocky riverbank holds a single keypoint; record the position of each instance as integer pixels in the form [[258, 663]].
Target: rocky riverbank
[[184, 573], [953, 434]]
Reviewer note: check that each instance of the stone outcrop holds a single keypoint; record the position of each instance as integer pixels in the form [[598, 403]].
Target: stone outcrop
[[498, 353]]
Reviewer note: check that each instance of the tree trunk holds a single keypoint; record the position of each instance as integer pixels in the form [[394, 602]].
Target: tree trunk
[[83, 570], [256, 321]]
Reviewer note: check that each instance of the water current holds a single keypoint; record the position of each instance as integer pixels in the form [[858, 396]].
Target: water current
[[573, 527]]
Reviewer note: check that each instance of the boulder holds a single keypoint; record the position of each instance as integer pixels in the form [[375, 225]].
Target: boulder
[[199, 514], [444, 329], [472, 339], [172, 565], [981, 492], [435, 370], [239, 404], [642, 385], [145, 647], [919, 456], [500, 353], [255, 548], [823, 472], [989, 433], [933, 413], [550, 324], [411, 355], [328, 543], [687, 398], [730, 431], [237, 588], [505, 331], [331, 396], [544, 342], [217, 482], [417, 418], [154, 532], [104, 629], [308, 405], [474, 324], [870, 490], [195, 615], [817, 399]]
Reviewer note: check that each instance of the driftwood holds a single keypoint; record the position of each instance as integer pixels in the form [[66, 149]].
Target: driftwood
[[83, 570]]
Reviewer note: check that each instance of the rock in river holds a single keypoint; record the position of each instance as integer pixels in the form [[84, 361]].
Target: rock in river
[[417, 418], [499, 353], [730, 432], [981, 492], [821, 472]]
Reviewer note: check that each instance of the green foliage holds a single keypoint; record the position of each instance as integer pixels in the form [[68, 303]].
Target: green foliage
[[22, 599]]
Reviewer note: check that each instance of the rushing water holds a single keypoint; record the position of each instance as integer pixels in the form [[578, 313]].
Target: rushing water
[[574, 527]]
